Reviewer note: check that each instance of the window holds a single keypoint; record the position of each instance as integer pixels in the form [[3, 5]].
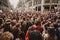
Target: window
[[39, 1], [47, 1], [58, 1], [52, 6], [47, 7], [54, 1]]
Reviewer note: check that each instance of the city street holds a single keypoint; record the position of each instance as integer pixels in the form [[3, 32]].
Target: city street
[[29, 19]]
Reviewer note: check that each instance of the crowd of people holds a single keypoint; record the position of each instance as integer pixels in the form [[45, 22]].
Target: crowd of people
[[30, 25]]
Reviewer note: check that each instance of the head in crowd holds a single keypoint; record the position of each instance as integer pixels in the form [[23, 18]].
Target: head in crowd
[[7, 36], [52, 10], [38, 23]]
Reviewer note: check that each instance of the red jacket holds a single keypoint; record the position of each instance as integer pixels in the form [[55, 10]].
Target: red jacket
[[37, 27], [27, 35]]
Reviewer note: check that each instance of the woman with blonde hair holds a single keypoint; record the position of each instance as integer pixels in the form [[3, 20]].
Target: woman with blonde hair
[[7, 36]]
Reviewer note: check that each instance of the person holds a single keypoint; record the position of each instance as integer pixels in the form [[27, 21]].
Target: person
[[38, 26], [7, 27], [1, 31], [23, 29], [7, 36], [16, 31], [27, 33], [52, 34], [57, 27], [35, 35]]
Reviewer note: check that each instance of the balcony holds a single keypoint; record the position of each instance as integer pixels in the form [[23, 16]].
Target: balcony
[[47, 1]]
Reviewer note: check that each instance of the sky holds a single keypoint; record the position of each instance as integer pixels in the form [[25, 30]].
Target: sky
[[14, 3]]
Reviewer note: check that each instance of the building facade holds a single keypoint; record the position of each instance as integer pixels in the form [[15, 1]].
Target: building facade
[[39, 4], [4, 5]]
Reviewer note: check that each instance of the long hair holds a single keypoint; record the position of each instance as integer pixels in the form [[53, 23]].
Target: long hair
[[7, 36], [52, 34]]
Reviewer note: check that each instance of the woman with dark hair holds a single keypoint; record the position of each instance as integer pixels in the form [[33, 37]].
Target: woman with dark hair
[[52, 32], [35, 35], [52, 35]]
